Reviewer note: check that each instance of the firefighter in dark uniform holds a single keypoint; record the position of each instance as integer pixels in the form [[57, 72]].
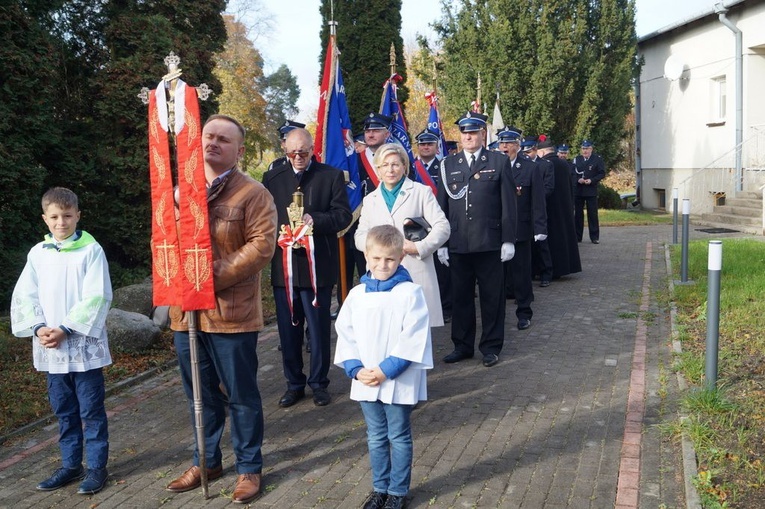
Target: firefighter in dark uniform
[[427, 148], [531, 227], [589, 169], [477, 194], [541, 258], [286, 127]]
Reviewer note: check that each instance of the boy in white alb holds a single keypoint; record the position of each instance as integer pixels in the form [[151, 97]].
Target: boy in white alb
[[61, 299], [384, 345]]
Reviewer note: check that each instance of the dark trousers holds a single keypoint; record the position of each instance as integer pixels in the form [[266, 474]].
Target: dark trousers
[[466, 270], [542, 260], [592, 216], [354, 262], [77, 399], [291, 336], [444, 277], [518, 279], [231, 360]]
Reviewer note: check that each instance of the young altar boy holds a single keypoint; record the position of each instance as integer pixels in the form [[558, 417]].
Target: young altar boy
[[61, 299], [384, 345]]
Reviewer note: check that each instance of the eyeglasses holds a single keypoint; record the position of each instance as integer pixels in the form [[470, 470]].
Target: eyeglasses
[[300, 154], [393, 166]]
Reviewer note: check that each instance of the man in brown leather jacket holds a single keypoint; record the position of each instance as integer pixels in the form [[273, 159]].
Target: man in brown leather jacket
[[243, 235]]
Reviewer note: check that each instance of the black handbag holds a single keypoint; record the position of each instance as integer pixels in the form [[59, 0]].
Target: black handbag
[[416, 228]]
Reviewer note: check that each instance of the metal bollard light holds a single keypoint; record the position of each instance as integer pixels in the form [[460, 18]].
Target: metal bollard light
[[684, 257], [674, 216], [714, 267]]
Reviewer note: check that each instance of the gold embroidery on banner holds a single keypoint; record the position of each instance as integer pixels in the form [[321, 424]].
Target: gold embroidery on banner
[[193, 127], [160, 164], [159, 213], [188, 171], [196, 267], [198, 215], [166, 262], [153, 123]]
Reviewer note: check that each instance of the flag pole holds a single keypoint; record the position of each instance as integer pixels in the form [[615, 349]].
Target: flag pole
[[169, 82], [196, 377], [392, 59]]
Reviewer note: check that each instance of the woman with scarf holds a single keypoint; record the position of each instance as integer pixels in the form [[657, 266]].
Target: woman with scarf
[[395, 201]]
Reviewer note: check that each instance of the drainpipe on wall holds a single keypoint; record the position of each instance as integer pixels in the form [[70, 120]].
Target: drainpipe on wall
[[638, 144], [721, 11]]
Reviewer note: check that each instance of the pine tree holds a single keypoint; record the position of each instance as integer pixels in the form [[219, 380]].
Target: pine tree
[[365, 31], [30, 134]]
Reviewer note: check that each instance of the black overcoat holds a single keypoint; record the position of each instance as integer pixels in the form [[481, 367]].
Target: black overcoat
[[326, 200]]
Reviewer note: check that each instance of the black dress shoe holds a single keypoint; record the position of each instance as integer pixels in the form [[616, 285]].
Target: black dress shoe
[[544, 284], [61, 477], [524, 323], [595, 241], [321, 397], [291, 397], [333, 315], [490, 359], [457, 356]]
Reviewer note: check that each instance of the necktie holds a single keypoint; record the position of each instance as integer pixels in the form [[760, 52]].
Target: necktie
[[472, 162]]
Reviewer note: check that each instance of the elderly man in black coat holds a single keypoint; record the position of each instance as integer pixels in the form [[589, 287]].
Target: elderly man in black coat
[[326, 210]]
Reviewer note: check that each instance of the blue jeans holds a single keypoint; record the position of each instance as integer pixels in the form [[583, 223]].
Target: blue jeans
[[77, 399], [389, 437], [230, 359]]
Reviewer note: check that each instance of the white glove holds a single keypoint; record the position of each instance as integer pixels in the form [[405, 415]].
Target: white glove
[[539, 237], [443, 255], [507, 251]]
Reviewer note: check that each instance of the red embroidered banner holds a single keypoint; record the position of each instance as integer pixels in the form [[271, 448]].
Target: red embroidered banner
[[182, 260], [165, 251]]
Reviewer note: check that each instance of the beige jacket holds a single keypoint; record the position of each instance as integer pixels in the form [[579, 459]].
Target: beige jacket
[[243, 234]]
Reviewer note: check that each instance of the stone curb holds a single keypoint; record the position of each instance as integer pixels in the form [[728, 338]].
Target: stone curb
[[690, 467]]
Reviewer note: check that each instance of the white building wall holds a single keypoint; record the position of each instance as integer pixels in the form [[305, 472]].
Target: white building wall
[[683, 143]]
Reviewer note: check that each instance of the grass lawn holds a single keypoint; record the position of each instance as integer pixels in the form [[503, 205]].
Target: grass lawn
[[727, 426], [610, 217]]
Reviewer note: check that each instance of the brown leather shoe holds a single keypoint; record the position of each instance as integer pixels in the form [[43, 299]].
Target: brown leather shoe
[[192, 478], [247, 488]]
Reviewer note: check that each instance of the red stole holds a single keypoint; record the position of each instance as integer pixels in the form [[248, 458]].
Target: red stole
[[182, 264]]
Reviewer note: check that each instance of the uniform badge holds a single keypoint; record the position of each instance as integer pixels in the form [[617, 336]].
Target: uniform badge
[[476, 176]]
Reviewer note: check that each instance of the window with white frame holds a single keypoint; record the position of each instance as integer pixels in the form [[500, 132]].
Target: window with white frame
[[719, 97]]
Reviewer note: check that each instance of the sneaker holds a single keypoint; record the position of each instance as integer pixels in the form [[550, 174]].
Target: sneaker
[[61, 477], [375, 500], [95, 480], [394, 502]]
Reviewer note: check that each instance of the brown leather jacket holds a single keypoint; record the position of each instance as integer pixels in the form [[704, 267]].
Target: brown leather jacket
[[243, 234]]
